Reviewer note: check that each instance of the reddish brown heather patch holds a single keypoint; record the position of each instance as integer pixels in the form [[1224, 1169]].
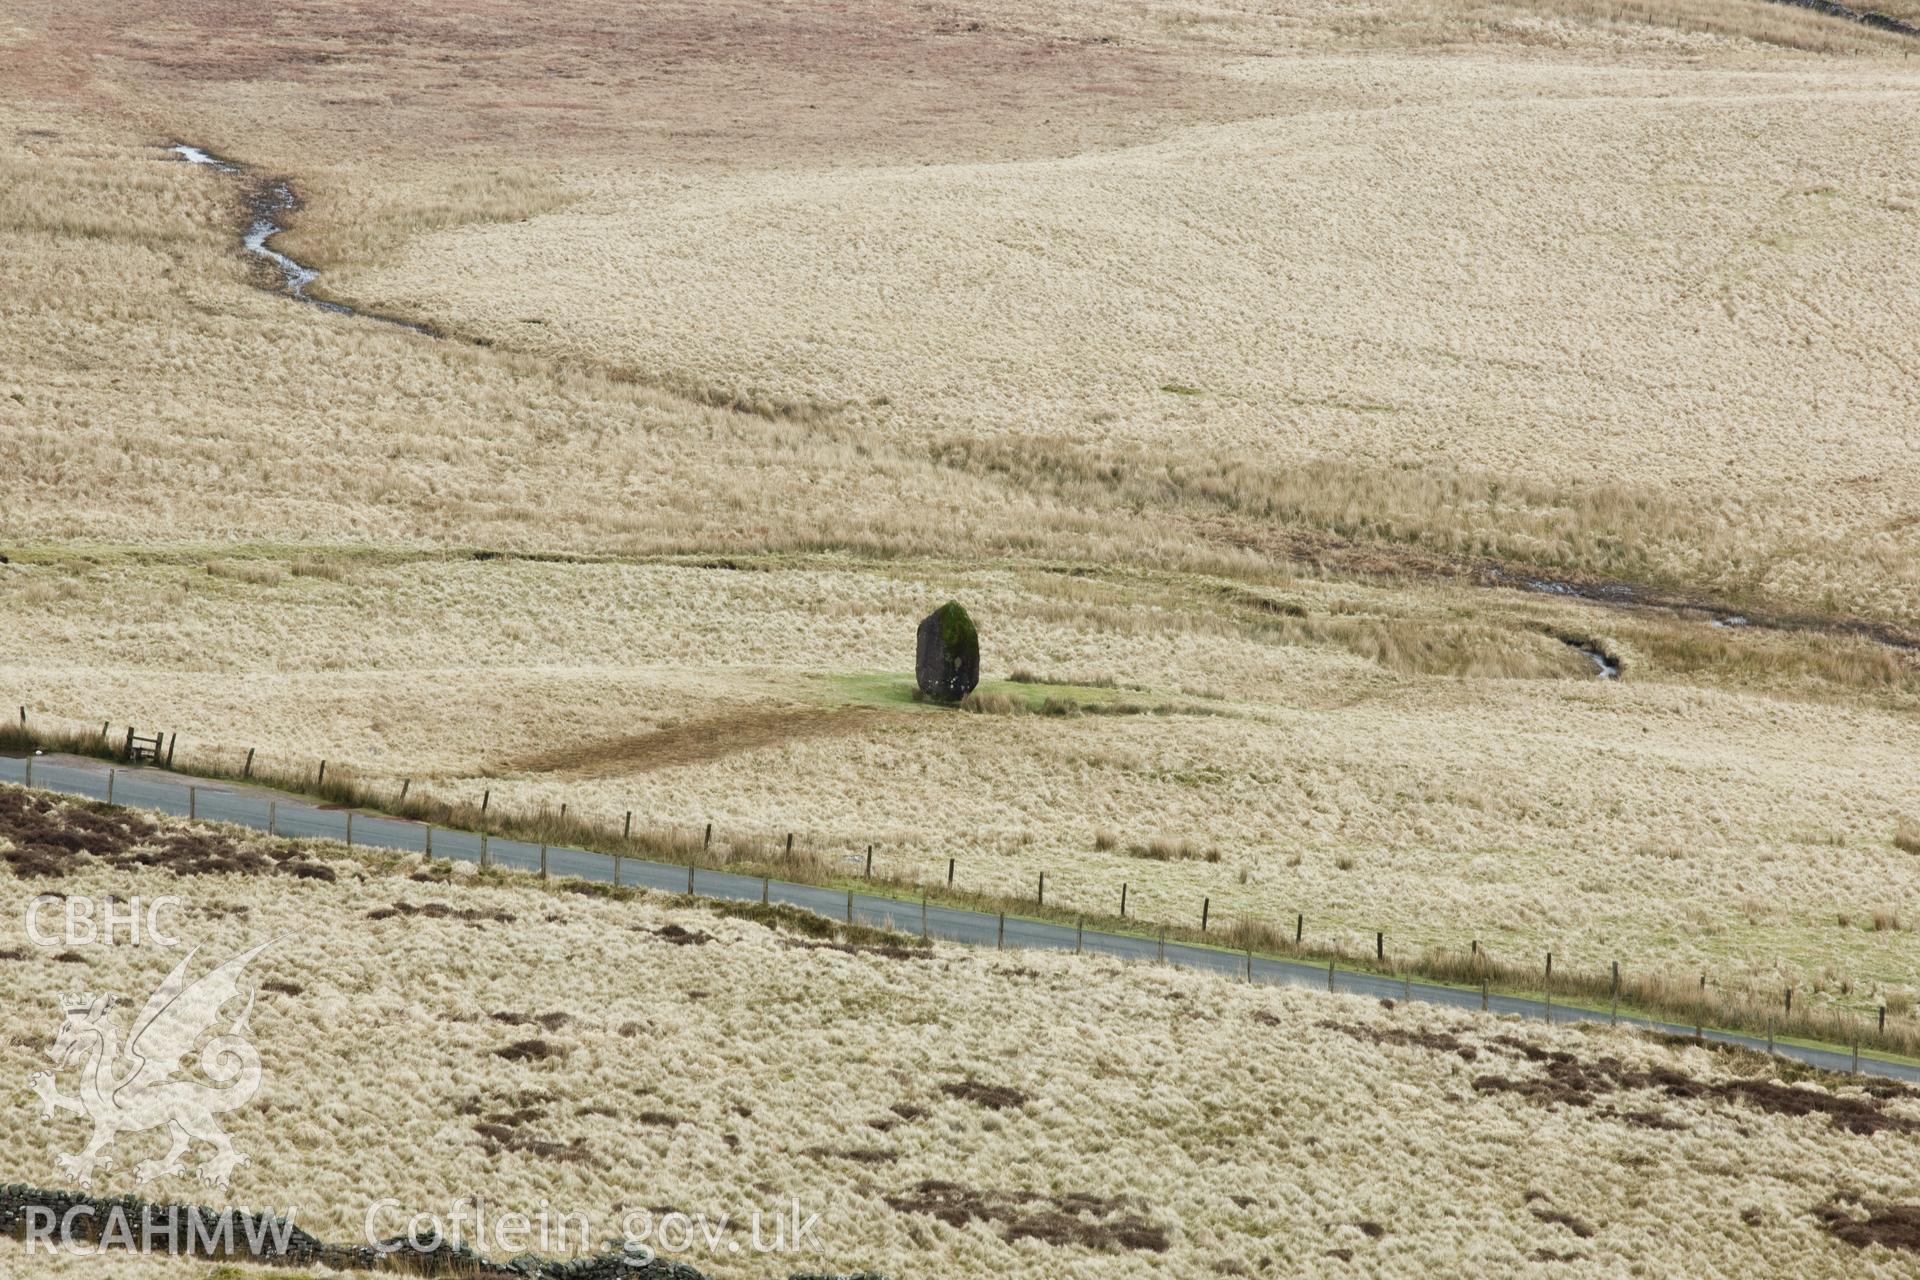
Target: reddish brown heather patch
[[545, 1021], [728, 82], [496, 1138], [1570, 1082], [505, 1129], [441, 911], [1864, 1222], [663, 1119], [12, 953], [49, 838], [1567, 1220], [858, 1155], [1438, 1041], [1101, 1224], [529, 1051], [994, 1097], [678, 936], [279, 987]]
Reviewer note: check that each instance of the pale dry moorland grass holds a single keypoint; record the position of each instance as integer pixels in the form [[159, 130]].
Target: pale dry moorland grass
[[1119, 322], [1078, 1114], [1439, 764]]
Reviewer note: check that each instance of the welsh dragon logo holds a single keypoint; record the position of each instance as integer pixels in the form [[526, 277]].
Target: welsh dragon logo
[[133, 1089]]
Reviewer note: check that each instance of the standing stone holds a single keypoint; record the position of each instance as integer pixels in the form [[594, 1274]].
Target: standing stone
[[947, 665]]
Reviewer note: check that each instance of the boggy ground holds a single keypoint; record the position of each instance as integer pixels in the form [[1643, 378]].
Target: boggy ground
[[944, 1111]]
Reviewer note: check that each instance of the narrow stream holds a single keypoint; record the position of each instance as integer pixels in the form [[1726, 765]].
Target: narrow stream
[[1606, 667], [269, 201]]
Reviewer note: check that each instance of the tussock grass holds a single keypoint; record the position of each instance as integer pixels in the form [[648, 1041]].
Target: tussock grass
[[251, 571], [1171, 849], [1906, 836], [332, 570]]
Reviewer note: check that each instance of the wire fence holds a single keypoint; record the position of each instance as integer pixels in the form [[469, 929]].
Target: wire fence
[[697, 859]]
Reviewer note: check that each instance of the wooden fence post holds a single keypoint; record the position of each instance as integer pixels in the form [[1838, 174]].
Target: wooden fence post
[[193, 810], [1123, 899], [1299, 927], [321, 781], [1206, 905], [429, 842], [869, 862], [1549, 966], [349, 828], [1163, 944], [173, 740], [1483, 995], [1883, 1022], [849, 906], [127, 752], [1000, 939], [543, 860], [486, 797], [1789, 1002], [406, 785], [111, 775], [690, 881], [1379, 945], [486, 857], [29, 771], [248, 771], [923, 918], [1769, 1035], [626, 832], [1329, 977], [707, 842], [1249, 964], [1079, 935], [273, 821], [789, 846], [616, 871], [766, 889], [949, 873], [1042, 899]]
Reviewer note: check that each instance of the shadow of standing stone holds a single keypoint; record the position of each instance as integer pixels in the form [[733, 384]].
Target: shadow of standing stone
[[947, 665]]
